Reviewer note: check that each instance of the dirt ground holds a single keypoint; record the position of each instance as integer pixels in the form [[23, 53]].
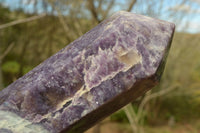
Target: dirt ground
[[114, 127], [111, 127]]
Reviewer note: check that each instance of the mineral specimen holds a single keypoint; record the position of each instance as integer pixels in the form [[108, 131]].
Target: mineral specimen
[[97, 74]]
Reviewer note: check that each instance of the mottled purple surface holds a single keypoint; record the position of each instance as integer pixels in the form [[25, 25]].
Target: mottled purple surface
[[92, 77]]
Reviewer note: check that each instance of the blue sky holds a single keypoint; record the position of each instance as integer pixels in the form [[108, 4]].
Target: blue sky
[[191, 18]]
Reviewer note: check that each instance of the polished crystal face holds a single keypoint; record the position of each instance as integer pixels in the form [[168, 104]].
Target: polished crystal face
[[100, 72]]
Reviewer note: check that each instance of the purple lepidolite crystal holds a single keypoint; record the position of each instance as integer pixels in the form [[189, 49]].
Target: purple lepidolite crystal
[[92, 77]]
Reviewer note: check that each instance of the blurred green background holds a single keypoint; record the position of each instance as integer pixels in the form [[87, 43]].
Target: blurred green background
[[33, 30]]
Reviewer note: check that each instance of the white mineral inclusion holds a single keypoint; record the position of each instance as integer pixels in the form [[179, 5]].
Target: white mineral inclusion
[[126, 58], [16, 124]]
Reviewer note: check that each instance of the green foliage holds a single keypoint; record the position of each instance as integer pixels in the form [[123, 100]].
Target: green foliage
[[119, 116], [180, 108], [4, 13], [26, 69], [11, 67]]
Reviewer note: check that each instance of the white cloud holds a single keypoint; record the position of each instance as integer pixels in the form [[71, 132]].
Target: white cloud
[[197, 1], [184, 8], [194, 27], [26, 2]]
